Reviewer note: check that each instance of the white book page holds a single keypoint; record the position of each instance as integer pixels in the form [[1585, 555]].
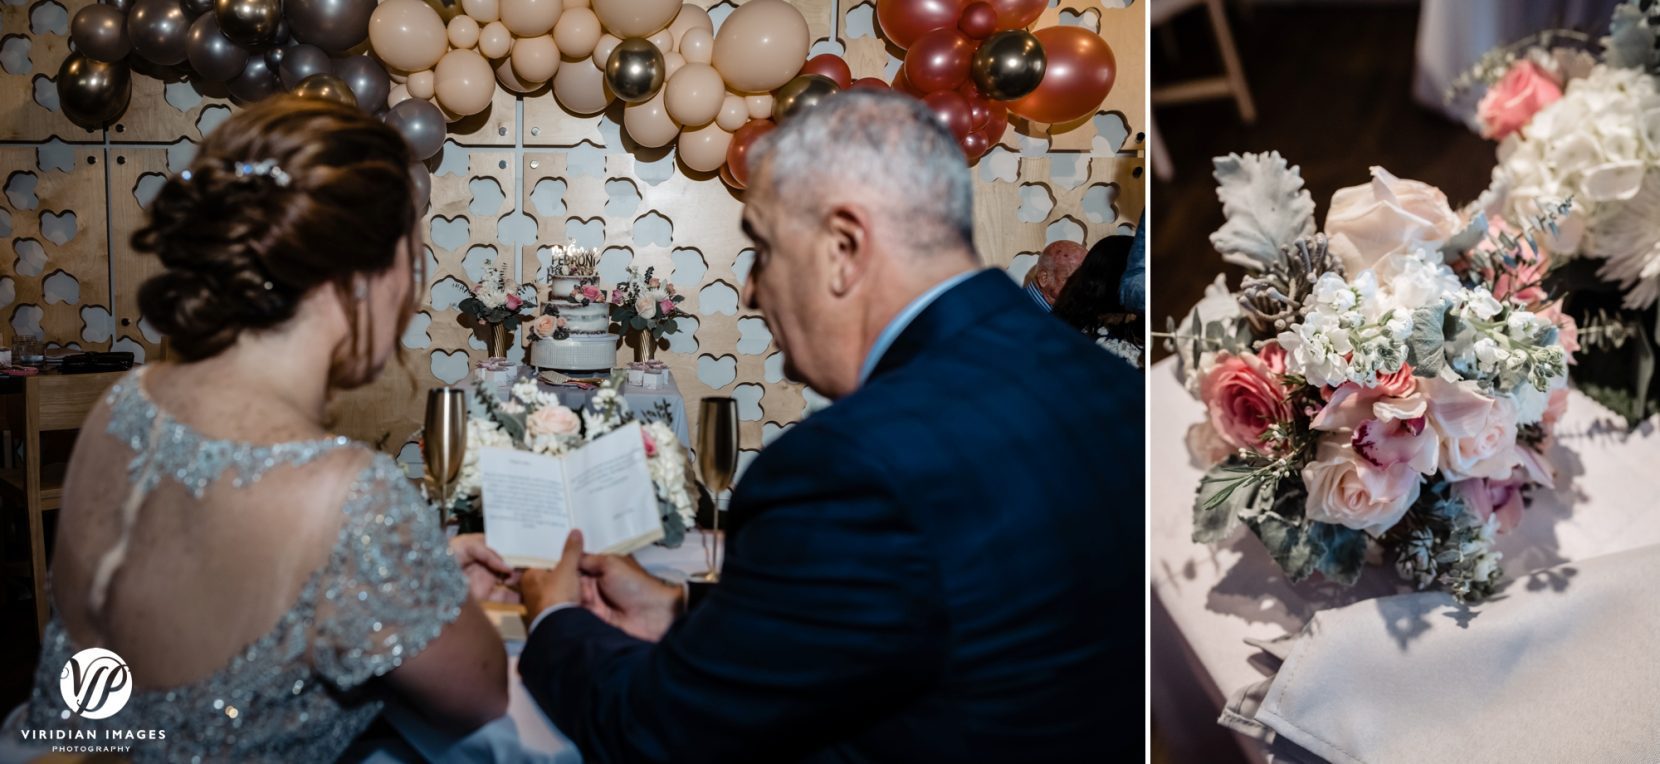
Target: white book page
[[612, 499], [526, 518]]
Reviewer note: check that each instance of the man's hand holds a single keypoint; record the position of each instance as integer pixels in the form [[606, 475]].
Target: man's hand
[[542, 588], [488, 575], [629, 598]]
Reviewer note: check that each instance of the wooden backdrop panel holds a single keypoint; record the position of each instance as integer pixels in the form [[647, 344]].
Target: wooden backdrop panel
[[55, 255]]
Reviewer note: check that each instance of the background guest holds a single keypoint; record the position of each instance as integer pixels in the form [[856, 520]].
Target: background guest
[[1054, 266], [1091, 303]]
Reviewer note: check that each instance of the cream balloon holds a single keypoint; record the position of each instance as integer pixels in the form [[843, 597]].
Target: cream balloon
[[760, 106], [577, 33], [698, 46], [603, 48], [635, 18], [482, 11], [535, 59], [573, 4], [529, 18], [690, 17], [579, 86], [663, 41], [494, 41], [671, 63], [397, 76], [449, 116], [511, 81], [422, 84], [398, 95], [649, 124], [761, 46], [734, 112], [463, 31], [465, 82], [704, 149], [407, 35], [695, 94]]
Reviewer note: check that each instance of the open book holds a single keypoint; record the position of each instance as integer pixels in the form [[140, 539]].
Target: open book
[[532, 502]]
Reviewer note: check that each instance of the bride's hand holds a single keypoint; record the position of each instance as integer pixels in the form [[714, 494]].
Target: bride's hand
[[488, 575]]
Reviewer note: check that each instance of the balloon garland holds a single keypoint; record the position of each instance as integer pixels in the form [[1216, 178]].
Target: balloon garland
[[422, 65]]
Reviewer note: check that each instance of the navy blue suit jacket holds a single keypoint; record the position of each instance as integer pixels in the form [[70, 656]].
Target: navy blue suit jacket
[[944, 566]]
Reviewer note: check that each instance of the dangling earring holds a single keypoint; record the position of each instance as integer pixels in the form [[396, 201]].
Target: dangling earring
[[360, 289]]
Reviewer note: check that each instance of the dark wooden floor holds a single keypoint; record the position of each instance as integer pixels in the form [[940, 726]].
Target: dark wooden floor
[[1333, 87]]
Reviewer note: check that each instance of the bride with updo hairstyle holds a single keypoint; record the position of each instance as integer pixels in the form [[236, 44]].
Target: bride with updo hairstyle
[[267, 584]]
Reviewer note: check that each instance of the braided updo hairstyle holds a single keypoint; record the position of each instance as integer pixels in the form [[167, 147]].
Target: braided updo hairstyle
[[241, 250]]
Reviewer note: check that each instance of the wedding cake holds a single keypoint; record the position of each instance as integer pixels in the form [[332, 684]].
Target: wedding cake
[[573, 335]]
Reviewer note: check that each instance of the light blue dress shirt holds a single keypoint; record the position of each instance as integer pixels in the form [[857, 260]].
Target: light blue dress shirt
[[904, 319], [1037, 297]]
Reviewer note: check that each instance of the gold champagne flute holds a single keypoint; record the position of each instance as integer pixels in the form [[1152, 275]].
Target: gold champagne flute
[[717, 462], [444, 445]]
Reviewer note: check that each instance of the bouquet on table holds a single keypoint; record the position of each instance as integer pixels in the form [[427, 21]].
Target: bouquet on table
[[535, 421], [1573, 124], [645, 303], [500, 304], [1389, 384]]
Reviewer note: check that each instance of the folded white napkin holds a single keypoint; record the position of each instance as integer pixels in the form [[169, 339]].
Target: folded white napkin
[[1562, 665]]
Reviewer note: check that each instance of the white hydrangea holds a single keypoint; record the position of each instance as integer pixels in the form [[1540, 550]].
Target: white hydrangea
[[668, 471], [481, 434]]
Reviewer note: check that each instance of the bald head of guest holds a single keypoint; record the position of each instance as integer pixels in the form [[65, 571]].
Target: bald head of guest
[[1057, 264]]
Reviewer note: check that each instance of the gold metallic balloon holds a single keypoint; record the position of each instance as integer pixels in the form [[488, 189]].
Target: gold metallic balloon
[[1008, 65], [93, 93], [800, 94], [327, 87], [635, 70]]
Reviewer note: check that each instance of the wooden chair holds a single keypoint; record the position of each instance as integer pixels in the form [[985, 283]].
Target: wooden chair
[[1229, 84], [50, 403]]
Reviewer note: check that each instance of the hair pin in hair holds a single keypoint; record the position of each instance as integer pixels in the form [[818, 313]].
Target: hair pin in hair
[[265, 167]]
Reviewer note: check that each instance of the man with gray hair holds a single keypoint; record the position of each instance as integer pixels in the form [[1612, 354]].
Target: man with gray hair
[[944, 565]]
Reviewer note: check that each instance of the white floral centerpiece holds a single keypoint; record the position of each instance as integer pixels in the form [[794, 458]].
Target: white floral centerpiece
[[499, 304]]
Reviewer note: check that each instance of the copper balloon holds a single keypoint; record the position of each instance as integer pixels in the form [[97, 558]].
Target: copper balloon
[[1017, 14], [832, 66], [979, 20], [737, 154], [800, 94], [635, 70], [904, 21], [951, 109], [1077, 79], [870, 83], [93, 93], [939, 60], [327, 87], [1009, 65], [249, 22]]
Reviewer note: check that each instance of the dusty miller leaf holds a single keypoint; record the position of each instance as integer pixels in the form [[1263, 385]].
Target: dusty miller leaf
[[1424, 349], [1222, 499], [1266, 206], [1630, 43]]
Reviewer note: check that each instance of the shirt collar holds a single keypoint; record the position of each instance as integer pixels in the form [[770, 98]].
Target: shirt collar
[[897, 326], [1037, 296]]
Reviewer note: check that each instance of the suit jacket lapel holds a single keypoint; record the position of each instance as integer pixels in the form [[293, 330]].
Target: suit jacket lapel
[[959, 308]]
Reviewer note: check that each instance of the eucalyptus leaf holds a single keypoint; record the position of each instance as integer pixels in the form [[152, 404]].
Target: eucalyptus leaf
[[1630, 43], [637, 323], [1266, 207]]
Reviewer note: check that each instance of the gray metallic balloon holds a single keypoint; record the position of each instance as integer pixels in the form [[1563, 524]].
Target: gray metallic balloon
[[333, 25], [635, 71], [158, 29], [93, 93], [252, 23], [195, 8], [367, 79], [302, 61], [423, 184], [273, 57], [100, 32], [420, 123], [121, 5], [212, 54], [326, 87], [257, 81]]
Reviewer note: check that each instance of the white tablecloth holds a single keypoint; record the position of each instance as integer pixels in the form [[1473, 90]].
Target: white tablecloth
[[1207, 601]]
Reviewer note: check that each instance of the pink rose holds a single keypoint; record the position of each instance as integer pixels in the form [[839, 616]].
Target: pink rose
[[1273, 356], [645, 307], [1511, 104], [1486, 498], [617, 297], [561, 322], [544, 326], [1567, 331], [1345, 489], [652, 283], [553, 420], [1399, 384], [1524, 281], [665, 307], [513, 302], [1385, 217], [592, 293], [1478, 433], [1555, 407], [670, 289], [651, 445], [1244, 399]]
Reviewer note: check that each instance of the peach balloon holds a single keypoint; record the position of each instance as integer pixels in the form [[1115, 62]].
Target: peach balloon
[[691, 17], [671, 63], [530, 18], [463, 31], [535, 59], [407, 35], [465, 82], [698, 46], [603, 48], [734, 112], [761, 46], [449, 116], [494, 41], [398, 95], [695, 95], [573, 4], [635, 18], [510, 80], [649, 123], [704, 149], [760, 106], [482, 11], [579, 86], [577, 33], [421, 84], [663, 41], [397, 76]]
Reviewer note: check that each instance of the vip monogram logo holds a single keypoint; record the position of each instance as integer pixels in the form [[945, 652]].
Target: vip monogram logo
[[95, 683]]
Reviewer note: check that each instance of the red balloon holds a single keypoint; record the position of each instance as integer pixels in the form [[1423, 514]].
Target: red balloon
[[975, 145], [939, 61], [1078, 76], [903, 21], [996, 123], [872, 83], [726, 177], [979, 107], [901, 84], [1017, 14], [737, 154], [951, 109], [831, 67], [979, 20]]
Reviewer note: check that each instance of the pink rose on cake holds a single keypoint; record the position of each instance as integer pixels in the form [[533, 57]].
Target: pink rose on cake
[[1509, 105], [592, 293], [1245, 398], [544, 326], [553, 420], [1385, 217], [1345, 489]]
